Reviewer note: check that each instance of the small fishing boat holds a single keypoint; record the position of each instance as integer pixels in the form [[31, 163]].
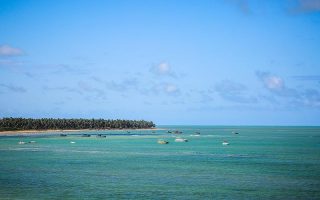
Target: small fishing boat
[[225, 143], [63, 135], [86, 135], [21, 142], [100, 135], [162, 142], [180, 140], [175, 132]]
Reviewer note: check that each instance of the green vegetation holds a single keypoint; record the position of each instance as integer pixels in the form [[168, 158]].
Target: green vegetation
[[8, 124]]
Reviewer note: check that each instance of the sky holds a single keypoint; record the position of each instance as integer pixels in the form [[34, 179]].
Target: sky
[[196, 62]]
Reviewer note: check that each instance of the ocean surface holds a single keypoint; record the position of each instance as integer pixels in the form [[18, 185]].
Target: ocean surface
[[259, 163]]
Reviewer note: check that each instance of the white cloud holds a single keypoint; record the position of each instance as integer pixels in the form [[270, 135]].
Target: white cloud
[[6, 50], [170, 88], [163, 69], [271, 82], [274, 82]]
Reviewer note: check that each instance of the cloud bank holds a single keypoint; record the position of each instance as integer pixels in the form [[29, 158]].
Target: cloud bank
[[235, 92], [13, 88], [6, 50], [291, 96], [308, 6]]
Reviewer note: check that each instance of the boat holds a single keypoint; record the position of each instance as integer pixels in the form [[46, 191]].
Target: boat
[[180, 140], [175, 132], [63, 135], [197, 133], [100, 135], [162, 142], [72, 142], [32, 141], [225, 143], [86, 135], [235, 132], [21, 142]]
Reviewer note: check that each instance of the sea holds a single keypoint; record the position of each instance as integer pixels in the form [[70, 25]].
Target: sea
[[259, 162]]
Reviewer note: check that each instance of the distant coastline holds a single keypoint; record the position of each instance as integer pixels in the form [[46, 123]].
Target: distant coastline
[[58, 131], [44, 125]]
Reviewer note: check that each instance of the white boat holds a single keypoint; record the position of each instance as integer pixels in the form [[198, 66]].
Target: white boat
[[225, 143], [21, 142], [180, 140], [162, 142], [72, 142]]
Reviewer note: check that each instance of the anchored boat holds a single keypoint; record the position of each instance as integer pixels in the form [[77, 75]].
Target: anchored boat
[[180, 140], [162, 142], [225, 143]]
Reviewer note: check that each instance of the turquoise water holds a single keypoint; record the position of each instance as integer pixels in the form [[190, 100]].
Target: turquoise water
[[259, 163]]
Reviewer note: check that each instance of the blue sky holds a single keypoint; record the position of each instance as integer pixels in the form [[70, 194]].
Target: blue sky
[[224, 62]]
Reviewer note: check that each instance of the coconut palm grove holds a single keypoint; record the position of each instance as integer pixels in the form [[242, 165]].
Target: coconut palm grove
[[8, 124]]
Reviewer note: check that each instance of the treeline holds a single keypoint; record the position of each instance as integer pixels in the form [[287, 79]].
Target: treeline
[[7, 124]]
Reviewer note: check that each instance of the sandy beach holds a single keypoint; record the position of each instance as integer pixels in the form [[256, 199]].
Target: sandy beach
[[54, 131]]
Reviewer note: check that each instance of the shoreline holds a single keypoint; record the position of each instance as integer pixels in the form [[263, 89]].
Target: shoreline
[[59, 131]]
